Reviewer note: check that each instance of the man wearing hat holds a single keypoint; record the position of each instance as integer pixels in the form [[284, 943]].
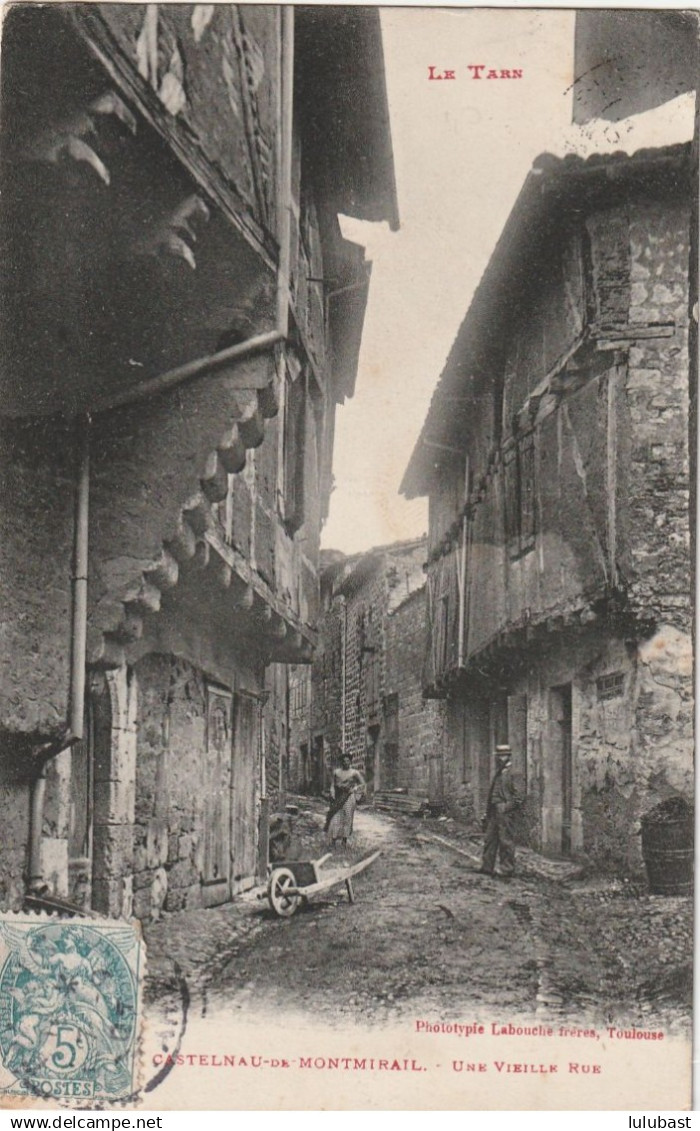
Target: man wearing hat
[[503, 800]]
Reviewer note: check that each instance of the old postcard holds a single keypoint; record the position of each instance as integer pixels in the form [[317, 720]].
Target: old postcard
[[349, 366]]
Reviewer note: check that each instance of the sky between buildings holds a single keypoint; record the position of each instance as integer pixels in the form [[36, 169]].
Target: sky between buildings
[[462, 150]]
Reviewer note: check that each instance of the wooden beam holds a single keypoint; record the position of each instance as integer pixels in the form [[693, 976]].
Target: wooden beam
[[632, 331]]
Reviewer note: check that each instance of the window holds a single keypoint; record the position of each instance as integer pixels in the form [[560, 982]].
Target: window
[[520, 495]]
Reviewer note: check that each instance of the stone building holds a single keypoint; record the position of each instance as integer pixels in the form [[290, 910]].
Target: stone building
[[181, 316], [556, 458]]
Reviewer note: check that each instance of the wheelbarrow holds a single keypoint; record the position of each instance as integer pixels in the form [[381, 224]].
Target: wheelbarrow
[[295, 881]]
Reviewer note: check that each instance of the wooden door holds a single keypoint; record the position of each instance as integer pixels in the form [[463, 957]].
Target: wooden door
[[244, 792], [216, 784], [558, 773]]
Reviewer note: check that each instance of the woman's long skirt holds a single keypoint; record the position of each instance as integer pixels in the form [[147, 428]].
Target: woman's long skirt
[[340, 824]]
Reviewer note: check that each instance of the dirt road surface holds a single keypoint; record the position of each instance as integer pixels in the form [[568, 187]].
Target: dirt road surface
[[429, 937]]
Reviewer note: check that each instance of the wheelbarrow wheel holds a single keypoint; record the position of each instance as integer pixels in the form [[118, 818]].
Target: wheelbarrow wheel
[[282, 901]]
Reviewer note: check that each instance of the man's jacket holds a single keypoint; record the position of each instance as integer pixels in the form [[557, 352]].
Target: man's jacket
[[503, 796]]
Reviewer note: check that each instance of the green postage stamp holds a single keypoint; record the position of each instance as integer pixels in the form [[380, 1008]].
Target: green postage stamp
[[70, 995]]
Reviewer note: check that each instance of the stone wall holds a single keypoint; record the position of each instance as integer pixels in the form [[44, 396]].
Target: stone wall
[[657, 532]]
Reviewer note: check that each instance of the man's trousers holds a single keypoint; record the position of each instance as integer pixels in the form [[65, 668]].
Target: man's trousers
[[498, 841]]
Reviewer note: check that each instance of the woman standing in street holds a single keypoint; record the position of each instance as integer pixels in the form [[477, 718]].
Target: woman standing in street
[[347, 786]]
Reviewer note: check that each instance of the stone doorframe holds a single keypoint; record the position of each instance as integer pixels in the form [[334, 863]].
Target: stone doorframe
[[114, 697]]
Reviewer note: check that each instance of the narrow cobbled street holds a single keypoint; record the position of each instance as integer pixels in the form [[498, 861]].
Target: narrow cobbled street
[[429, 937]]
